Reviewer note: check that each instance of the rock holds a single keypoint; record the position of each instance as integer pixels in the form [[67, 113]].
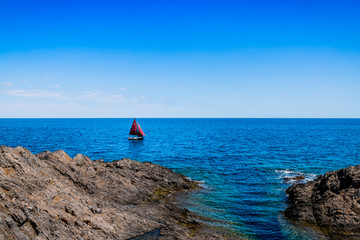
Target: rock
[[331, 202], [296, 178], [58, 155], [51, 196]]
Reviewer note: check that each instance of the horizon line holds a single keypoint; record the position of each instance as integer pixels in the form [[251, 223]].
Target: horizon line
[[180, 117]]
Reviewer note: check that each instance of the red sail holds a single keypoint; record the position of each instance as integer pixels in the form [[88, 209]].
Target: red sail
[[133, 130], [140, 131]]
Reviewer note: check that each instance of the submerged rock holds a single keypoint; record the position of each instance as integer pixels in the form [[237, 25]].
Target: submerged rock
[[52, 196], [331, 202], [296, 178]]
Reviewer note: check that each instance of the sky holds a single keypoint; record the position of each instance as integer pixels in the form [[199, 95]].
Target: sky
[[242, 59]]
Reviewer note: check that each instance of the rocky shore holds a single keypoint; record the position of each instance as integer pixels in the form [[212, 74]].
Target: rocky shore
[[52, 196], [331, 203]]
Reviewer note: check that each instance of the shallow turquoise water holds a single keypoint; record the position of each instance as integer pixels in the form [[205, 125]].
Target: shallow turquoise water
[[241, 162]]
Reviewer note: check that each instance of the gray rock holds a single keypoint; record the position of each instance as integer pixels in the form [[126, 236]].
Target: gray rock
[[51, 196], [331, 202]]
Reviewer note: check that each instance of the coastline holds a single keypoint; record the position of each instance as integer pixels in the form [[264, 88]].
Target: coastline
[[50, 195]]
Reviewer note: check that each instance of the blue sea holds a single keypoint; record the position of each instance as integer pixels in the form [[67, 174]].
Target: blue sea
[[241, 163]]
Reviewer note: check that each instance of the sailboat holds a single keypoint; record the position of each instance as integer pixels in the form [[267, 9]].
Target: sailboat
[[136, 133]]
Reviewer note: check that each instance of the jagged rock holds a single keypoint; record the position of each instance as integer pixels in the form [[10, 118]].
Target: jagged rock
[[51, 196], [331, 202]]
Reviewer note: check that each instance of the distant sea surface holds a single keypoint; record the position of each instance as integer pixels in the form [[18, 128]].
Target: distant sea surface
[[241, 163]]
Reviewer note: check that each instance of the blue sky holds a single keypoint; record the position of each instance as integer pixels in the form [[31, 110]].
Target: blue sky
[[179, 59]]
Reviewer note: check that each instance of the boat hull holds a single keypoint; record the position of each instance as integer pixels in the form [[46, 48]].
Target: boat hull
[[135, 138]]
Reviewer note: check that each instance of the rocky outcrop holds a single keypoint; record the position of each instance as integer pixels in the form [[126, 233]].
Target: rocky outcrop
[[53, 196], [331, 202]]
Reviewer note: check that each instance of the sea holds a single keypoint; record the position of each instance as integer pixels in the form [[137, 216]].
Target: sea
[[242, 164]]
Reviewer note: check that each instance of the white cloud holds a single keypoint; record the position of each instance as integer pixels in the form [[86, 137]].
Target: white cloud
[[122, 89], [115, 98], [49, 77], [33, 93], [56, 86], [6, 84], [37, 110], [102, 97], [92, 94]]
